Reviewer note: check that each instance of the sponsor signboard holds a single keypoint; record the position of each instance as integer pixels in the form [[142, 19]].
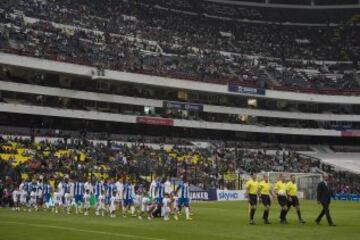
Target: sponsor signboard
[[199, 195], [246, 90], [350, 133], [184, 106], [155, 121], [230, 195]]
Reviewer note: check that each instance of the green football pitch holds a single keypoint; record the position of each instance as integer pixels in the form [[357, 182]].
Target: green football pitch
[[212, 220]]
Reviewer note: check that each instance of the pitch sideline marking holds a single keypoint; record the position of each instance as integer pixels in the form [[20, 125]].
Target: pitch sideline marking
[[83, 230]]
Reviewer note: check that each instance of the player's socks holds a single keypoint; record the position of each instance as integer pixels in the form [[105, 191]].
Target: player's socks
[[187, 213], [299, 216], [252, 213], [282, 215], [132, 210]]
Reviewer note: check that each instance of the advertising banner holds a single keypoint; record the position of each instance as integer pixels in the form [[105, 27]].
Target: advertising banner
[[350, 133], [246, 90], [230, 195], [183, 106], [199, 196], [155, 121]]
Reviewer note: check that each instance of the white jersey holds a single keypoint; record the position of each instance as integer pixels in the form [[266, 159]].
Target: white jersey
[[119, 189], [16, 196], [60, 189], [88, 186], [152, 189], [72, 188], [68, 199], [22, 186], [101, 202], [112, 206], [138, 200], [32, 201], [23, 196], [145, 204], [167, 187], [58, 198], [166, 208], [87, 197], [39, 189]]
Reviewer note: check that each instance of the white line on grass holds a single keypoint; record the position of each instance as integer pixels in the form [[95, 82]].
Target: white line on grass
[[83, 230]]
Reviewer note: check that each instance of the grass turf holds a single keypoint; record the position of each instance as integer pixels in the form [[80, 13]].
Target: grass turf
[[212, 220]]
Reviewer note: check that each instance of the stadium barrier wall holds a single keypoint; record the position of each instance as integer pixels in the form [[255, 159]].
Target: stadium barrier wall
[[111, 98], [103, 116], [68, 68]]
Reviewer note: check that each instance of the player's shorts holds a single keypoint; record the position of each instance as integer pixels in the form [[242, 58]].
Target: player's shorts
[[282, 200], [39, 200], [79, 199], [265, 199], [112, 208], [129, 202], [46, 198], [293, 201], [183, 202], [253, 199], [159, 201]]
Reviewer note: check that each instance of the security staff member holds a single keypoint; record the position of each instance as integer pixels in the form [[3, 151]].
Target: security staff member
[[252, 191], [280, 190], [291, 190], [324, 198], [264, 191]]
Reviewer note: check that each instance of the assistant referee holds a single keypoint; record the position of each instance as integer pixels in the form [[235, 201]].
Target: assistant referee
[[264, 190], [252, 191], [293, 200], [280, 190]]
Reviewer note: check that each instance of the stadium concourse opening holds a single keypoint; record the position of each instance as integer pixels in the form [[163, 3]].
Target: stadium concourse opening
[[178, 119]]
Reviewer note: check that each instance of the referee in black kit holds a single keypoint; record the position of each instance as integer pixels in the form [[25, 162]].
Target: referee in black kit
[[324, 193]]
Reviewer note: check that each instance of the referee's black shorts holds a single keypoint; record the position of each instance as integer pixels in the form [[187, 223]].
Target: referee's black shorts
[[282, 200], [293, 201], [253, 199], [265, 199]]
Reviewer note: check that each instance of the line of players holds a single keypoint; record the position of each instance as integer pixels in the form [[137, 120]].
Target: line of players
[[109, 196], [285, 193]]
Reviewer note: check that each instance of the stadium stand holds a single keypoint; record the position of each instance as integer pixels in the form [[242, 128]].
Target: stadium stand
[[184, 46], [249, 44]]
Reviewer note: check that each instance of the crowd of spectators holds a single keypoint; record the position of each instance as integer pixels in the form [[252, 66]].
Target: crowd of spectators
[[139, 37], [206, 167]]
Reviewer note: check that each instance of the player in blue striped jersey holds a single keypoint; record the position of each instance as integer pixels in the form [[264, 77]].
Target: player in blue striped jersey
[[159, 195], [79, 190], [110, 188], [183, 192], [46, 193], [160, 191], [129, 195], [98, 188]]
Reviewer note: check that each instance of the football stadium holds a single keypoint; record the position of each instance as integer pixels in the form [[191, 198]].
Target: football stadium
[[179, 119]]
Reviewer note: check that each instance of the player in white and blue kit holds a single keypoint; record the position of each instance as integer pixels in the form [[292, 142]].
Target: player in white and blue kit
[[98, 188], [46, 193], [79, 190], [159, 195], [110, 188], [183, 192], [129, 195]]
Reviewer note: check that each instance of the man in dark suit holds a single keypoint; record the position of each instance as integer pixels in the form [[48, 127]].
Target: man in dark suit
[[324, 198]]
